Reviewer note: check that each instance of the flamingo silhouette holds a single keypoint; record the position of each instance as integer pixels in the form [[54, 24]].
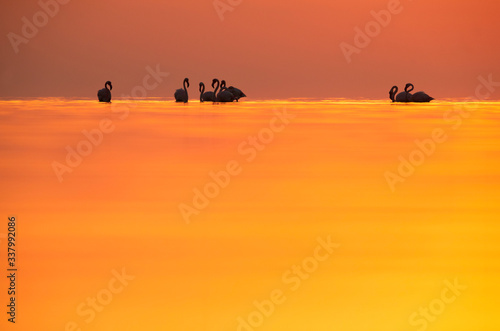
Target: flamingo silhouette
[[224, 95], [401, 97], [418, 96], [207, 96], [181, 95], [104, 95], [234, 91]]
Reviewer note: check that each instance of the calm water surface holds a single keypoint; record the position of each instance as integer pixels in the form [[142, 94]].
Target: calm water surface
[[209, 207]]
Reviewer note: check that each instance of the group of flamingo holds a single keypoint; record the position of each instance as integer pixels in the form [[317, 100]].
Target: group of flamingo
[[231, 93], [406, 96], [226, 94]]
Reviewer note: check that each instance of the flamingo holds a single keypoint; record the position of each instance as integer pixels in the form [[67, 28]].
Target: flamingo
[[181, 95], [207, 96], [224, 95], [401, 97], [104, 95], [202, 91], [234, 91], [418, 96]]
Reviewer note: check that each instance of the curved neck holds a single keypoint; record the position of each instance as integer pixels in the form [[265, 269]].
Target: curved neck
[[393, 93], [217, 87], [409, 88], [185, 88], [106, 86], [202, 89]]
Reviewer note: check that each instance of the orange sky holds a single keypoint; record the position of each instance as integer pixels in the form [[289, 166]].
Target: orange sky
[[270, 49]]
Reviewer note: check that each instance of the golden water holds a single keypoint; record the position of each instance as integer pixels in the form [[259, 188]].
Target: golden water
[[321, 174]]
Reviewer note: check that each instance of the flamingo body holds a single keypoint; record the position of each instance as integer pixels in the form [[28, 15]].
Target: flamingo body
[[206, 96], [104, 95], [418, 96], [181, 95], [225, 96], [401, 97], [236, 92]]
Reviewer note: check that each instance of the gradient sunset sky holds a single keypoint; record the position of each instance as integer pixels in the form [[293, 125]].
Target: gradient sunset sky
[[270, 49]]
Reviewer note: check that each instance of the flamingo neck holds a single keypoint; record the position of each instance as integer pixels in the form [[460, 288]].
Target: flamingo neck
[[185, 88], [217, 87], [393, 93]]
